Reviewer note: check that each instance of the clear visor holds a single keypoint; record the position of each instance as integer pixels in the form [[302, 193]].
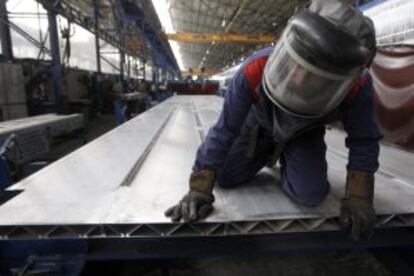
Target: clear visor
[[300, 88]]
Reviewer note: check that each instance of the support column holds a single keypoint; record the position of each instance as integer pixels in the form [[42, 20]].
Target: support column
[[144, 72], [162, 75], [98, 86], [129, 66], [154, 74], [5, 37], [122, 64], [56, 66], [97, 46]]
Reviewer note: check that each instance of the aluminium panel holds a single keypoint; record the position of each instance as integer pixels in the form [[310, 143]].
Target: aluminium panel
[[120, 184]]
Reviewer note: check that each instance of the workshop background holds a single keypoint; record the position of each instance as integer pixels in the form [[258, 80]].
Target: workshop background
[[104, 102]]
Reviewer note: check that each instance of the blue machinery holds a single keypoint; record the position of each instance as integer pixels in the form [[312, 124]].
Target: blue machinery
[[5, 172]]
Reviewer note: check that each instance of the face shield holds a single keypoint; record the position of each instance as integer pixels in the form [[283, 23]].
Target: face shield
[[313, 67], [302, 89]]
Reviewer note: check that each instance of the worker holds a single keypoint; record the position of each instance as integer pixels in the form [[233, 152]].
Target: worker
[[189, 77], [277, 106]]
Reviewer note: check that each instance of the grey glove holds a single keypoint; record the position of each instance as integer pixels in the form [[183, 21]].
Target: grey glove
[[198, 202], [357, 211]]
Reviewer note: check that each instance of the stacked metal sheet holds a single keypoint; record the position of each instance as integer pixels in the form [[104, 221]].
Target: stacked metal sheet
[[53, 124], [33, 133], [120, 184]]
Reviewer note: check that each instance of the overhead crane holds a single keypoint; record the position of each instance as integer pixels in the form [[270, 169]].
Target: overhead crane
[[225, 38], [200, 72], [218, 38]]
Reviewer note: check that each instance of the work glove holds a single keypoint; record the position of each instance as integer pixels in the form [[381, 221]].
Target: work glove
[[357, 211], [198, 202]]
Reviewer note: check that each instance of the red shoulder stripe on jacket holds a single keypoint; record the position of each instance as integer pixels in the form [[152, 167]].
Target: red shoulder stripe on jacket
[[356, 88], [254, 73]]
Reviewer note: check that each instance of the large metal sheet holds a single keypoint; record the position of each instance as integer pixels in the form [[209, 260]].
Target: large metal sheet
[[121, 183]]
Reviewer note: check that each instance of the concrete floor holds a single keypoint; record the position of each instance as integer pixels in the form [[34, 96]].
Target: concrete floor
[[95, 128], [64, 145], [355, 263]]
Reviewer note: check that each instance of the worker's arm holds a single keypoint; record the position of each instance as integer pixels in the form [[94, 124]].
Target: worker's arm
[[198, 202], [238, 100], [360, 123]]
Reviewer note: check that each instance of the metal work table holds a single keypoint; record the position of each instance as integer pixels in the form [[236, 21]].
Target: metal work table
[[118, 186]]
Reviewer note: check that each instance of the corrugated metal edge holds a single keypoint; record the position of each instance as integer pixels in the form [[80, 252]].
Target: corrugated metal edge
[[202, 229]]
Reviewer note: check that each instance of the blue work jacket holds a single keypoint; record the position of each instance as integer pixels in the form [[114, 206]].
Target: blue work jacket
[[245, 94]]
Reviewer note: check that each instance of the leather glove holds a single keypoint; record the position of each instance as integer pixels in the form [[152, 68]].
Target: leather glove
[[198, 202], [357, 211]]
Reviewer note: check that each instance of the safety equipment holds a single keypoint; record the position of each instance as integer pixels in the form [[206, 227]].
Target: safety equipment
[[323, 50], [198, 202], [357, 211]]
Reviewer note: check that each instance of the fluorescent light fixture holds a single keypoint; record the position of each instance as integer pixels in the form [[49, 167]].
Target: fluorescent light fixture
[[161, 8]]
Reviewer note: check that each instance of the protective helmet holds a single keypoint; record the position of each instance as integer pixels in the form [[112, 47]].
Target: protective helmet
[[323, 50]]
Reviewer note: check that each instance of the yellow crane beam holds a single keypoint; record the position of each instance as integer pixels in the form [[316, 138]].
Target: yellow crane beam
[[200, 72], [226, 38]]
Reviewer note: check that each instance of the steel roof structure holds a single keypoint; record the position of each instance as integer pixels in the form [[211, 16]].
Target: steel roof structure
[[259, 17], [227, 16], [131, 26]]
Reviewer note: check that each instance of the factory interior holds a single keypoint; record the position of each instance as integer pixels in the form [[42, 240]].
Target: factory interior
[[206, 137]]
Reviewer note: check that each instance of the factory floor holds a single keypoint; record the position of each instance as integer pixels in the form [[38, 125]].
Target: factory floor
[[355, 263], [64, 145], [339, 263], [94, 129]]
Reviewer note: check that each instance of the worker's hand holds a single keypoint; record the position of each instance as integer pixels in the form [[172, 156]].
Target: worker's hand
[[194, 206], [358, 217], [198, 202], [357, 210]]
